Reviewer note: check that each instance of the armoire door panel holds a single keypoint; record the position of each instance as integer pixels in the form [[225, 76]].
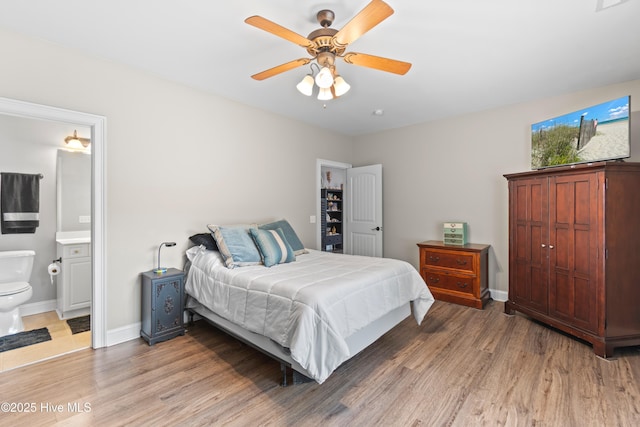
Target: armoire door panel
[[561, 206], [535, 209], [584, 303], [529, 227], [583, 259], [562, 303], [573, 235], [561, 252], [583, 198]]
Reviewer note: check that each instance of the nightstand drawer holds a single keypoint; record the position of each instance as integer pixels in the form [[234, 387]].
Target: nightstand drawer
[[448, 282], [458, 261]]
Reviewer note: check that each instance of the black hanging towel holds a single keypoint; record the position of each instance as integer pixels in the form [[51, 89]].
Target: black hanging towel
[[19, 202]]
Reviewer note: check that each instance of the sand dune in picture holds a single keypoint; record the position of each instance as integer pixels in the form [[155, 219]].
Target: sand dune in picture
[[611, 140]]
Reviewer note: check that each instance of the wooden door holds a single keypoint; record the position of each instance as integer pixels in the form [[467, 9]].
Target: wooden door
[[528, 235], [573, 249]]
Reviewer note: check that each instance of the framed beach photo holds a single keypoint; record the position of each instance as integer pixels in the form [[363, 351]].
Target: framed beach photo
[[592, 134]]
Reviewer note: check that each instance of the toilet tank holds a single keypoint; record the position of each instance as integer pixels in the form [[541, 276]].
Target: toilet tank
[[16, 266]]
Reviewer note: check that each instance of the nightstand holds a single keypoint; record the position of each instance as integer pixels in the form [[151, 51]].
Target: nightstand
[[456, 273], [162, 305]]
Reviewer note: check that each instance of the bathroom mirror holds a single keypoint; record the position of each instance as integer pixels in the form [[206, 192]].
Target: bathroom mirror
[[73, 190]]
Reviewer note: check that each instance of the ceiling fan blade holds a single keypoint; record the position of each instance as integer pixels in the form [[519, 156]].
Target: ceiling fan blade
[[281, 68], [373, 14], [377, 62], [278, 30]]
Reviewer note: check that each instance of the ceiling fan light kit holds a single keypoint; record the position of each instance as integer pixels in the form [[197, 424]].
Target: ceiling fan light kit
[[324, 94], [325, 44], [340, 86], [324, 79], [306, 85]]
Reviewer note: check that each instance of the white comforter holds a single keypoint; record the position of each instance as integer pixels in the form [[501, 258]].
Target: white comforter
[[311, 305]]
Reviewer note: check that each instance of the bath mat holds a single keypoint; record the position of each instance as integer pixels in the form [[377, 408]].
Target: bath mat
[[79, 324], [22, 339]]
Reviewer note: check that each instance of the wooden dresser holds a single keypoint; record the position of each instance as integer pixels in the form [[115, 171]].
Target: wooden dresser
[[457, 274], [574, 245]]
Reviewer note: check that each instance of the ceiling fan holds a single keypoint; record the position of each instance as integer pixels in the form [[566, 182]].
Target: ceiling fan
[[325, 44]]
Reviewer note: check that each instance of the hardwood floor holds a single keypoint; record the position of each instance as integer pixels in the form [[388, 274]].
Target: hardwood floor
[[62, 341], [462, 367]]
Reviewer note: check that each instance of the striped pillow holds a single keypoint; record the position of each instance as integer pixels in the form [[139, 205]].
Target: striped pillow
[[289, 234], [273, 246]]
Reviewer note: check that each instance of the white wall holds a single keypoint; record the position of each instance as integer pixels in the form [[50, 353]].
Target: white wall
[[451, 170], [177, 158]]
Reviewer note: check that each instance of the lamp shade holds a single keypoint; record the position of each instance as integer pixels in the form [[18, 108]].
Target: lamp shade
[[324, 79], [306, 85], [340, 86], [325, 94]]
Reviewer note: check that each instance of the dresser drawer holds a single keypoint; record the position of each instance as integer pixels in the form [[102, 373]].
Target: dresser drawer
[[448, 282], [458, 261]]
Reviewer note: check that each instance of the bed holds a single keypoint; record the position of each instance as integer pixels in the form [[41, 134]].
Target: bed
[[311, 314]]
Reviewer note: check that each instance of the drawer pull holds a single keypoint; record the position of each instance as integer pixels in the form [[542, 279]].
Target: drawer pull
[[434, 279], [461, 261], [462, 285], [434, 258]]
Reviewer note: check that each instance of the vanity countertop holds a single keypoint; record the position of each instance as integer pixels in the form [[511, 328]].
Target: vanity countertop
[[73, 237]]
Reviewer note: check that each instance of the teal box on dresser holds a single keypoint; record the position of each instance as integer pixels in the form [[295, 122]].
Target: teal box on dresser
[[455, 233]]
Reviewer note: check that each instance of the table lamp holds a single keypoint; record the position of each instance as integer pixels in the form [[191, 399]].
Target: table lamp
[[161, 270]]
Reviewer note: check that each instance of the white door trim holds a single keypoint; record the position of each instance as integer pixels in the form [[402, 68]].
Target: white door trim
[[319, 164], [98, 126]]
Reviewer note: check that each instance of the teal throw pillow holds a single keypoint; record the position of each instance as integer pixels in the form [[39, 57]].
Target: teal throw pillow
[[273, 246]]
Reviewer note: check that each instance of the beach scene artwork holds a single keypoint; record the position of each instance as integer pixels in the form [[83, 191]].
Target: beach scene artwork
[[596, 133]]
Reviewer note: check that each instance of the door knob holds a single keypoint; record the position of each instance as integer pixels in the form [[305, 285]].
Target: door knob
[[544, 246], [376, 229]]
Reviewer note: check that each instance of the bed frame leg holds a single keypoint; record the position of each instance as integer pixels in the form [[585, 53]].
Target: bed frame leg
[[190, 323], [283, 368]]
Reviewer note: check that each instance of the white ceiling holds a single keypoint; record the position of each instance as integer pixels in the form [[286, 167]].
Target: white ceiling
[[467, 55]]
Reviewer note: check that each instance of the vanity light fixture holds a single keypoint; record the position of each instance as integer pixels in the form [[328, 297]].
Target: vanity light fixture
[[75, 142]]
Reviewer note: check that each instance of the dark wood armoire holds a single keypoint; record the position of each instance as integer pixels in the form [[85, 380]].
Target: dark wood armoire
[[574, 251]]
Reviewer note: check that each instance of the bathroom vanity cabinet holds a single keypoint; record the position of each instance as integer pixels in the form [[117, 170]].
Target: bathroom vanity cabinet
[[74, 280]]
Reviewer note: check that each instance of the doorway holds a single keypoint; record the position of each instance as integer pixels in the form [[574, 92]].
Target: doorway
[[356, 195], [97, 124]]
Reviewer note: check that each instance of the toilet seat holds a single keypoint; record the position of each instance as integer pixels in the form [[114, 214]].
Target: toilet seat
[[13, 288]]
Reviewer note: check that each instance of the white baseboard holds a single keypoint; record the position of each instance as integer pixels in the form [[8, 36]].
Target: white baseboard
[[38, 307], [124, 333], [497, 295], [114, 336]]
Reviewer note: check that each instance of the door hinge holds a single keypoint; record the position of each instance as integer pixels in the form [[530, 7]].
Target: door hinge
[[606, 254], [606, 183]]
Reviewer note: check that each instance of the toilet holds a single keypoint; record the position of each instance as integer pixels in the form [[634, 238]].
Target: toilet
[[15, 290]]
